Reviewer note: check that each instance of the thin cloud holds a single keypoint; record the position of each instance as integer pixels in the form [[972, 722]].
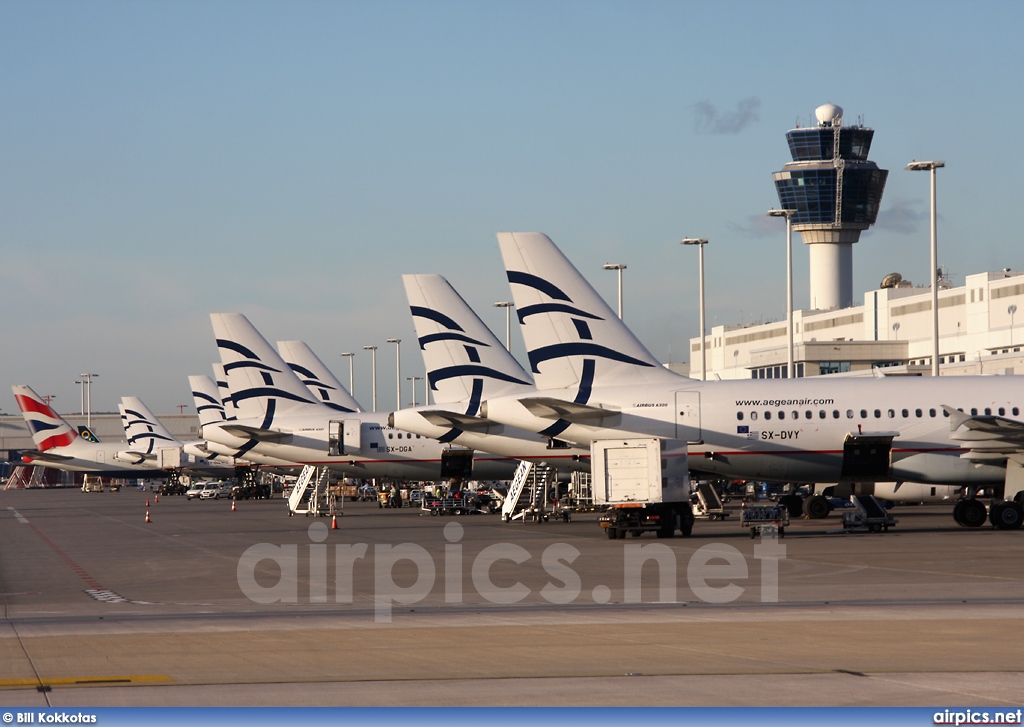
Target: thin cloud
[[709, 120], [902, 217]]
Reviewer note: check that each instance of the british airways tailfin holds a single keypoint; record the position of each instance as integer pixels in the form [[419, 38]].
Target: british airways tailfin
[[262, 385], [572, 337], [317, 377], [48, 429], [464, 361]]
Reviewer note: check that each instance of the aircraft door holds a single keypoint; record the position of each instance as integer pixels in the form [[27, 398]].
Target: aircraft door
[[688, 426], [456, 463], [344, 437], [867, 457]]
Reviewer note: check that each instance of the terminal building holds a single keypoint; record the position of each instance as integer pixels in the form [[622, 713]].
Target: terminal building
[[831, 192]]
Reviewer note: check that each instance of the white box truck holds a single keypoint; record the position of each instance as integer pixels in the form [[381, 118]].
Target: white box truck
[[644, 483]]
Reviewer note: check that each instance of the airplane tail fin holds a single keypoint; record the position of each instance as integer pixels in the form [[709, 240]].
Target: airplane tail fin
[[144, 431], [220, 378], [262, 385], [317, 377], [464, 361], [572, 336], [207, 399], [48, 429]]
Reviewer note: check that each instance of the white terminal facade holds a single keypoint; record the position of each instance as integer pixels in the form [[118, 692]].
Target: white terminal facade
[[832, 192]]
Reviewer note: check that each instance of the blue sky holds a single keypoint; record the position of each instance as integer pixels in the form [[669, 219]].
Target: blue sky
[[164, 160]]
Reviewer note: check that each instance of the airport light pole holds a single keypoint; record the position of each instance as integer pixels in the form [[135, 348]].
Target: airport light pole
[[81, 385], [507, 305], [413, 379], [1011, 309], [788, 214], [916, 166], [398, 371], [373, 351], [620, 267], [351, 375], [700, 242], [88, 397]]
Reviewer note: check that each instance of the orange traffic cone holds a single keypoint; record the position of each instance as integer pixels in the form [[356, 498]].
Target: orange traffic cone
[[147, 502], [147, 516], [232, 506], [158, 497], [334, 522]]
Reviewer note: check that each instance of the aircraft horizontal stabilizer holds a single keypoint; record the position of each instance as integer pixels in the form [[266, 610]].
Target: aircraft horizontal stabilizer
[[442, 418], [35, 455], [552, 408], [260, 435]]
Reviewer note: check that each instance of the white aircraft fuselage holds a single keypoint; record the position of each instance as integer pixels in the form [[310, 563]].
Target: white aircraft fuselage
[[787, 430]]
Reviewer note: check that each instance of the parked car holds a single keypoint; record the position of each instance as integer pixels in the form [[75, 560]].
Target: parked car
[[216, 490], [195, 490]]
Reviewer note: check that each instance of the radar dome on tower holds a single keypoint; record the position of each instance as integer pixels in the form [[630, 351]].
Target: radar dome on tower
[[828, 114]]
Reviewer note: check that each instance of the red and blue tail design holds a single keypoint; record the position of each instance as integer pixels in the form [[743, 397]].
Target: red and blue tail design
[[48, 429]]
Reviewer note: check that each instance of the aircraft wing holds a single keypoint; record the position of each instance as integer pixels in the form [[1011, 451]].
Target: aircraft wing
[[442, 418], [34, 455], [260, 435], [986, 437], [552, 408]]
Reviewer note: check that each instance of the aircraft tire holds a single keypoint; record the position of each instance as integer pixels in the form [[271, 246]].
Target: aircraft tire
[[958, 512], [816, 507], [1006, 515], [973, 514]]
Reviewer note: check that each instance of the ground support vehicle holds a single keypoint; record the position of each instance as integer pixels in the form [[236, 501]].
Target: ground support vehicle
[[764, 520], [450, 506], [869, 514], [92, 483], [642, 485], [707, 504]]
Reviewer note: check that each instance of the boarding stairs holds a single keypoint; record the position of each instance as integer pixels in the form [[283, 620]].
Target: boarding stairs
[[24, 477], [528, 495], [311, 494]]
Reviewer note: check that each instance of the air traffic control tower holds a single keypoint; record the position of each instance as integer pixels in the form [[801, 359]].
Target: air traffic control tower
[[835, 192]]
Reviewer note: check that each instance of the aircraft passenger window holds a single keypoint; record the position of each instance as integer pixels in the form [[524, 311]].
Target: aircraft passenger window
[[739, 415], [753, 416], [878, 413], [1015, 411], [849, 413], [767, 415], [892, 414], [974, 412], [399, 435], [782, 415], [796, 415], [905, 413], [391, 436], [808, 415], [821, 414], [917, 413], [988, 412], [863, 413], [945, 413], [1002, 411], [835, 413], [931, 412]]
